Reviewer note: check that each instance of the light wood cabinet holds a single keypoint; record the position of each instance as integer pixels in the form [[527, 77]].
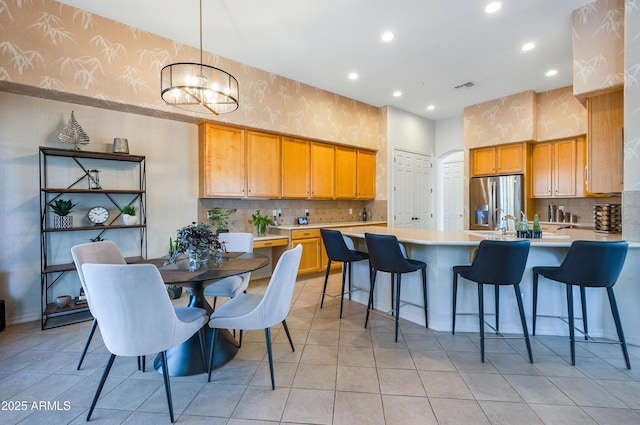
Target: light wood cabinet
[[605, 156], [366, 180], [483, 161], [556, 168], [501, 159], [345, 172], [263, 165], [322, 170], [296, 181], [222, 161], [311, 249]]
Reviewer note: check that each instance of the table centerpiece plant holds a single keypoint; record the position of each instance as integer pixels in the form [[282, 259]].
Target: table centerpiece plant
[[199, 242], [261, 221]]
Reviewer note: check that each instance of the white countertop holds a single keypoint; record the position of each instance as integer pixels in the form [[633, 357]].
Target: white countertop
[[562, 238], [326, 225]]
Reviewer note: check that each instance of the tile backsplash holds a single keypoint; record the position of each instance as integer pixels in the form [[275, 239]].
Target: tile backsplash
[[320, 211], [580, 208]]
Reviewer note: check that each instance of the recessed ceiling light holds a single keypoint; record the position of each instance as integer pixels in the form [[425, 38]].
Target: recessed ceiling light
[[388, 36], [430, 107], [527, 46], [551, 72], [353, 76], [397, 93], [493, 7]]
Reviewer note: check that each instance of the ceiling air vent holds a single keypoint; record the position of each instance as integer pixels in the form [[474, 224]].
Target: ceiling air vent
[[466, 85]]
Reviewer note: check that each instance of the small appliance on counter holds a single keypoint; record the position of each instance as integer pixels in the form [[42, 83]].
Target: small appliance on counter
[[607, 218]]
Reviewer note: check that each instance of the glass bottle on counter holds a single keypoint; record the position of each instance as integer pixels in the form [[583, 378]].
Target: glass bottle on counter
[[537, 232], [364, 214]]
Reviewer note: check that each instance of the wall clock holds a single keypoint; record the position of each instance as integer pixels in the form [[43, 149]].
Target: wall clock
[[98, 215]]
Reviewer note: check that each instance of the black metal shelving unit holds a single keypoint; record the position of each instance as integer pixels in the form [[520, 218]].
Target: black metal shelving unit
[[80, 164]]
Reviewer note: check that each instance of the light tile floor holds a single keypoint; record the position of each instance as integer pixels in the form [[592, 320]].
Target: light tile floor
[[339, 374]]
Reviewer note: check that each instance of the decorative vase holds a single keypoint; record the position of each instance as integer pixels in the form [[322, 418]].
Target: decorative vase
[[62, 221], [129, 220], [262, 229], [198, 260]]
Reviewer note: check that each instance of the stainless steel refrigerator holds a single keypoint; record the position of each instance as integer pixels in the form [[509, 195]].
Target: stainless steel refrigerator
[[492, 198]]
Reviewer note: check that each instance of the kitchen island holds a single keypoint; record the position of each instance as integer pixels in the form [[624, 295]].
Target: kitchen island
[[443, 250]]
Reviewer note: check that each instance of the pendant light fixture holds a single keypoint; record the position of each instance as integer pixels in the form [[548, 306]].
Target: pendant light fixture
[[199, 88]]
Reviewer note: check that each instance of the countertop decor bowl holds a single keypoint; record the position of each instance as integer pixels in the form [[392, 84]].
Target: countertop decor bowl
[[63, 300]]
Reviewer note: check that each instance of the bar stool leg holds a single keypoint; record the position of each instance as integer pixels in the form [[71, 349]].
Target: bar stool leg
[[496, 289], [481, 319], [616, 319], [349, 275], [455, 298], [572, 336], [426, 298], [523, 319], [372, 279], [345, 268], [324, 287], [535, 301], [393, 303], [399, 278], [583, 301]]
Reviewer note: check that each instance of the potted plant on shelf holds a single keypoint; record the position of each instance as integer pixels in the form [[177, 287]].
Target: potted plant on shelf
[[199, 242], [261, 221], [220, 218], [129, 217], [62, 208]]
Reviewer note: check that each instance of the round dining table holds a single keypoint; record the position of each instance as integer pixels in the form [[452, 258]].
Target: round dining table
[[186, 359]]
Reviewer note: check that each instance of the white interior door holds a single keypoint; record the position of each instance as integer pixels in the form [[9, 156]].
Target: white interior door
[[412, 190], [453, 195]]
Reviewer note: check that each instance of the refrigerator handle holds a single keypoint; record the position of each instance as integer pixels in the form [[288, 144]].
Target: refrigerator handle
[[492, 205]]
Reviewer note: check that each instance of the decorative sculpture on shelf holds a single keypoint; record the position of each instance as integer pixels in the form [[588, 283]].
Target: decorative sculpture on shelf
[[73, 133]]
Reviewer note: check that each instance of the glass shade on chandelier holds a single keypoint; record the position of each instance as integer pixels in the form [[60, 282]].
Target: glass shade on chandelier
[[199, 88]]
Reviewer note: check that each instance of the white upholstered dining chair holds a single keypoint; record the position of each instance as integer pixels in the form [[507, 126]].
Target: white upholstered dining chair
[[103, 252], [252, 311], [137, 318], [232, 285]]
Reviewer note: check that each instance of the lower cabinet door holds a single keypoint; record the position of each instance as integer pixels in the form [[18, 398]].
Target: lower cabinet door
[[310, 261]]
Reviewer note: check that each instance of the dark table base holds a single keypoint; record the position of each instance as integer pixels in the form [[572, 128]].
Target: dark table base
[[186, 358]]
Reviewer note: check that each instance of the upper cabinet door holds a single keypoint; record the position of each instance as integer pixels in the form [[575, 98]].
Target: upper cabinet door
[[295, 168], [541, 169], [366, 183], [322, 170], [345, 172], [263, 165], [222, 161], [510, 158], [483, 161], [605, 158], [565, 168]]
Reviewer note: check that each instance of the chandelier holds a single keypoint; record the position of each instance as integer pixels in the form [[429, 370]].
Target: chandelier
[[197, 87]]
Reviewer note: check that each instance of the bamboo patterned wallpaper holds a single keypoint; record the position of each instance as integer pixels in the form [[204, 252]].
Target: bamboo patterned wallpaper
[[504, 120], [598, 46], [66, 51]]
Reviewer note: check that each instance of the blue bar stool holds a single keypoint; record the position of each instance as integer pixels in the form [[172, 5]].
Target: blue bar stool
[[386, 255], [337, 250], [496, 263], [589, 264]]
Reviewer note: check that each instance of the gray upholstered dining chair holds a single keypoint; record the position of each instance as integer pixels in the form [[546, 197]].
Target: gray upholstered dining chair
[[137, 318], [103, 252], [252, 311], [232, 285]]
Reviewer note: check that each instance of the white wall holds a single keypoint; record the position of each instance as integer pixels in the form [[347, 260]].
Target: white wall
[[171, 150], [449, 135], [410, 132]]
